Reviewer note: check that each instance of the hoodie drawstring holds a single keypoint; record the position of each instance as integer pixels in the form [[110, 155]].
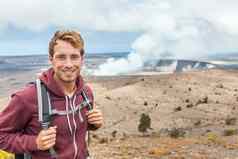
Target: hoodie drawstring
[[72, 105], [67, 113]]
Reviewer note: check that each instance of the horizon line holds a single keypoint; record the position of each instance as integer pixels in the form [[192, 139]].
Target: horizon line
[[41, 54]]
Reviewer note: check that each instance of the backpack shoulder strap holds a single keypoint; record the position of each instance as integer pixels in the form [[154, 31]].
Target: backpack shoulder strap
[[85, 93], [88, 98], [44, 109], [44, 106]]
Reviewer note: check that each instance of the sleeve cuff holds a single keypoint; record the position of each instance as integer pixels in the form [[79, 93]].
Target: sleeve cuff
[[32, 146]]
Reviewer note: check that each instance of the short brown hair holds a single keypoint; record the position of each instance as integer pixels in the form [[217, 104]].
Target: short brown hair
[[73, 37]]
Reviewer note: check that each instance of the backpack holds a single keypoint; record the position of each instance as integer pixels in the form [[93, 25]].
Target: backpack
[[45, 113]]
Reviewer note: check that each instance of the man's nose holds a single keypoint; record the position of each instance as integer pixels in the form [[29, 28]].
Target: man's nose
[[68, 62]]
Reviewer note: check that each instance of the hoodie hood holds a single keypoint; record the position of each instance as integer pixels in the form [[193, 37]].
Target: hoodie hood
[[47, 78]]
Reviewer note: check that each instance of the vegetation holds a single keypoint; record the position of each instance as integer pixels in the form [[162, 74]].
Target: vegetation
[[145, 123]]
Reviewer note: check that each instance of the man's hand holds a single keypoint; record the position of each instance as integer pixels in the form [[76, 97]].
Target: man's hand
[[46, 138], [95, 117]]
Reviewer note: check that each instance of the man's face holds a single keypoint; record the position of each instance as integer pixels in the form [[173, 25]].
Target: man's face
[[66, 62]]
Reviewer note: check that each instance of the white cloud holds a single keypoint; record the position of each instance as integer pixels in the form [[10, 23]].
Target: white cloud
[[117, 15]]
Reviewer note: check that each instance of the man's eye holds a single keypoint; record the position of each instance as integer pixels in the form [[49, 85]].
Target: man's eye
[[61, 57], [75, 57]]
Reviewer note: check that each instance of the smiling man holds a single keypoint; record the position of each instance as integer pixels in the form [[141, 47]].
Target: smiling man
[[20, 130]]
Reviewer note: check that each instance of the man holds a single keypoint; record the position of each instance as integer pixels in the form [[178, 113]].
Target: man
[[20, 130]]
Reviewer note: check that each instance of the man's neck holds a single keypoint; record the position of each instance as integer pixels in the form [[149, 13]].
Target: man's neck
[[67, 87]]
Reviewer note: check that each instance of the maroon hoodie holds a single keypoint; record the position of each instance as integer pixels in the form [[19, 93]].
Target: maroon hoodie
[[19, 125]]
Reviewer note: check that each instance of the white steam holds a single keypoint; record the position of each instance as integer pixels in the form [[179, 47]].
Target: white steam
[[183, 30], [115, 67]]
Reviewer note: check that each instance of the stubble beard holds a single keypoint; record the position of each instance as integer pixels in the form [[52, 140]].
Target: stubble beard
[[64, 78]]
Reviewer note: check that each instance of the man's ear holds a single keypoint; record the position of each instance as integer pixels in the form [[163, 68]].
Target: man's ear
[[50, 58], [82, 60]]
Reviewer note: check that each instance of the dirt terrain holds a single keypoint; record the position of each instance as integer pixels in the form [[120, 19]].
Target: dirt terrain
[[193, 115]]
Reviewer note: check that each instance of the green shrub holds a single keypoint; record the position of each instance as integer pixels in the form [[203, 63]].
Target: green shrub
[[145, 123]]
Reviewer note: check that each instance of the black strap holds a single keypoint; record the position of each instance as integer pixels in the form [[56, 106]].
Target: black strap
[[19, 156], [46, 108], [86, 99], [43, 103]]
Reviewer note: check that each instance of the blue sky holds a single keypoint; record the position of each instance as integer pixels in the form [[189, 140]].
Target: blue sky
[[150, 28], [14, 41]]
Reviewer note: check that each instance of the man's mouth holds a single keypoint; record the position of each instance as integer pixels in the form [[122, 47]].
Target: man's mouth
[[68, 71]]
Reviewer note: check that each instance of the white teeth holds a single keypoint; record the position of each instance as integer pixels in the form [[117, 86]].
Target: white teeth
[[68, 71]]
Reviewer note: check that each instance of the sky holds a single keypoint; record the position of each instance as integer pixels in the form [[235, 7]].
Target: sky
[[146, 28], [14, 41]]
